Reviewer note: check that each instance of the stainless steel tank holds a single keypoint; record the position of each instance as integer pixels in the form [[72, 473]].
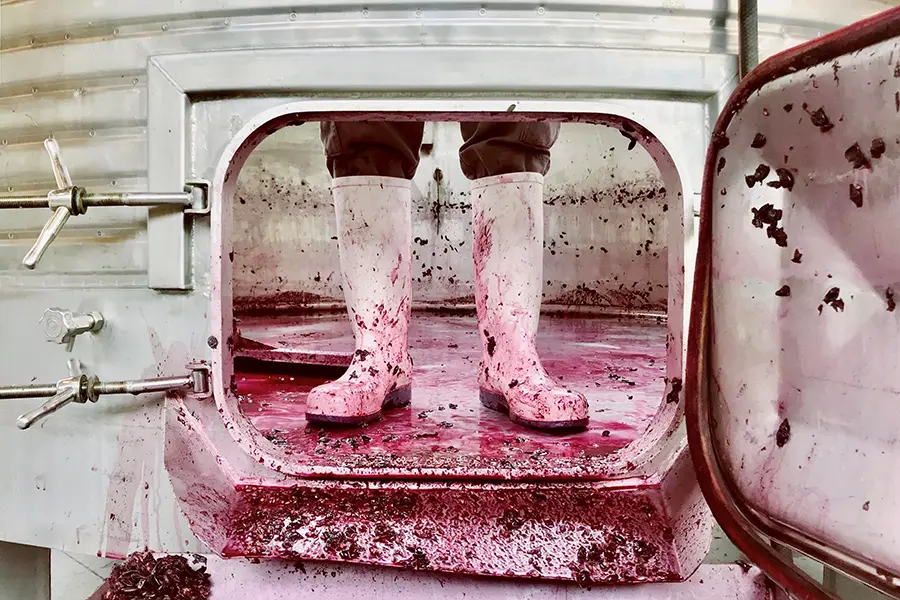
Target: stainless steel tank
[[78, 72]]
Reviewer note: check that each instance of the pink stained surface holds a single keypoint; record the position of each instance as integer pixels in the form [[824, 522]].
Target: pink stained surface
[[619, 364]]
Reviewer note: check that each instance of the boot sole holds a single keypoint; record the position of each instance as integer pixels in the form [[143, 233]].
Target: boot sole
[[495, 401], [397, 399]]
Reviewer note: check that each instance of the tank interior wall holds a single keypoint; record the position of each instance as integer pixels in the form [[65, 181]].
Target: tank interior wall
[[605, 220]]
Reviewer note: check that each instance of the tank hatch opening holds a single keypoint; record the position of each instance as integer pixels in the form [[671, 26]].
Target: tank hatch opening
[[447, 483], [602, 329]]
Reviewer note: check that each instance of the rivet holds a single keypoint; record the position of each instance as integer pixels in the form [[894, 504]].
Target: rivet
[[293, 16], [34, 90], [68, 36], [418, 13], [135, 81], [113, 182], [541, 10], [365, 12], [165, 26], [116, 31], [482, 11], [92, 133]]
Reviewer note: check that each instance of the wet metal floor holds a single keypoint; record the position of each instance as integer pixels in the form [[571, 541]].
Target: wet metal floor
[[619, 364]]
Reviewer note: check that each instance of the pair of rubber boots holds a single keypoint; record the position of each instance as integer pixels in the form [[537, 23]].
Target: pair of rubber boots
[[374, 239]]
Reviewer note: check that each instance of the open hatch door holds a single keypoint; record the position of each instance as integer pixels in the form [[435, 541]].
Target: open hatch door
[[792, 387]]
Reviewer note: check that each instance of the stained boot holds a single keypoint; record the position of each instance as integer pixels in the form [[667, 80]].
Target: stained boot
[[508, 229], [374, 231]]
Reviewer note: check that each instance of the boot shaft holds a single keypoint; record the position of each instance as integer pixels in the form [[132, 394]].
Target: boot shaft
[[508, 232], [374, 242]]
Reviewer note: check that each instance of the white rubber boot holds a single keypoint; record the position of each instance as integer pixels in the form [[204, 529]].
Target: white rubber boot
[[374, 240], [508, 229]]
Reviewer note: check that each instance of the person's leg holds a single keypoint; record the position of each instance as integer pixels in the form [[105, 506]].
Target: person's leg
[[494, 148], [507, 173], [371, 164], [380, 148]]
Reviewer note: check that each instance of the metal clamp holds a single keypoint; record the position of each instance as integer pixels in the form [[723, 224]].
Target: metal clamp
[[80, 388], [62, 326], [69, 200], [61, 211], [71, 389]]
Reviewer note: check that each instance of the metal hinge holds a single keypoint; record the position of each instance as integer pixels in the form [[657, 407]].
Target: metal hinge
[[69, 200], [80, 388]]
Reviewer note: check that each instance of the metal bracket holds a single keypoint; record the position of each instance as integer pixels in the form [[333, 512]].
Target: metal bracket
[[201, 375], [199, 191]]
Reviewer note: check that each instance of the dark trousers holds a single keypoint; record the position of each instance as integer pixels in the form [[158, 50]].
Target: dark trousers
[[391, 149]]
